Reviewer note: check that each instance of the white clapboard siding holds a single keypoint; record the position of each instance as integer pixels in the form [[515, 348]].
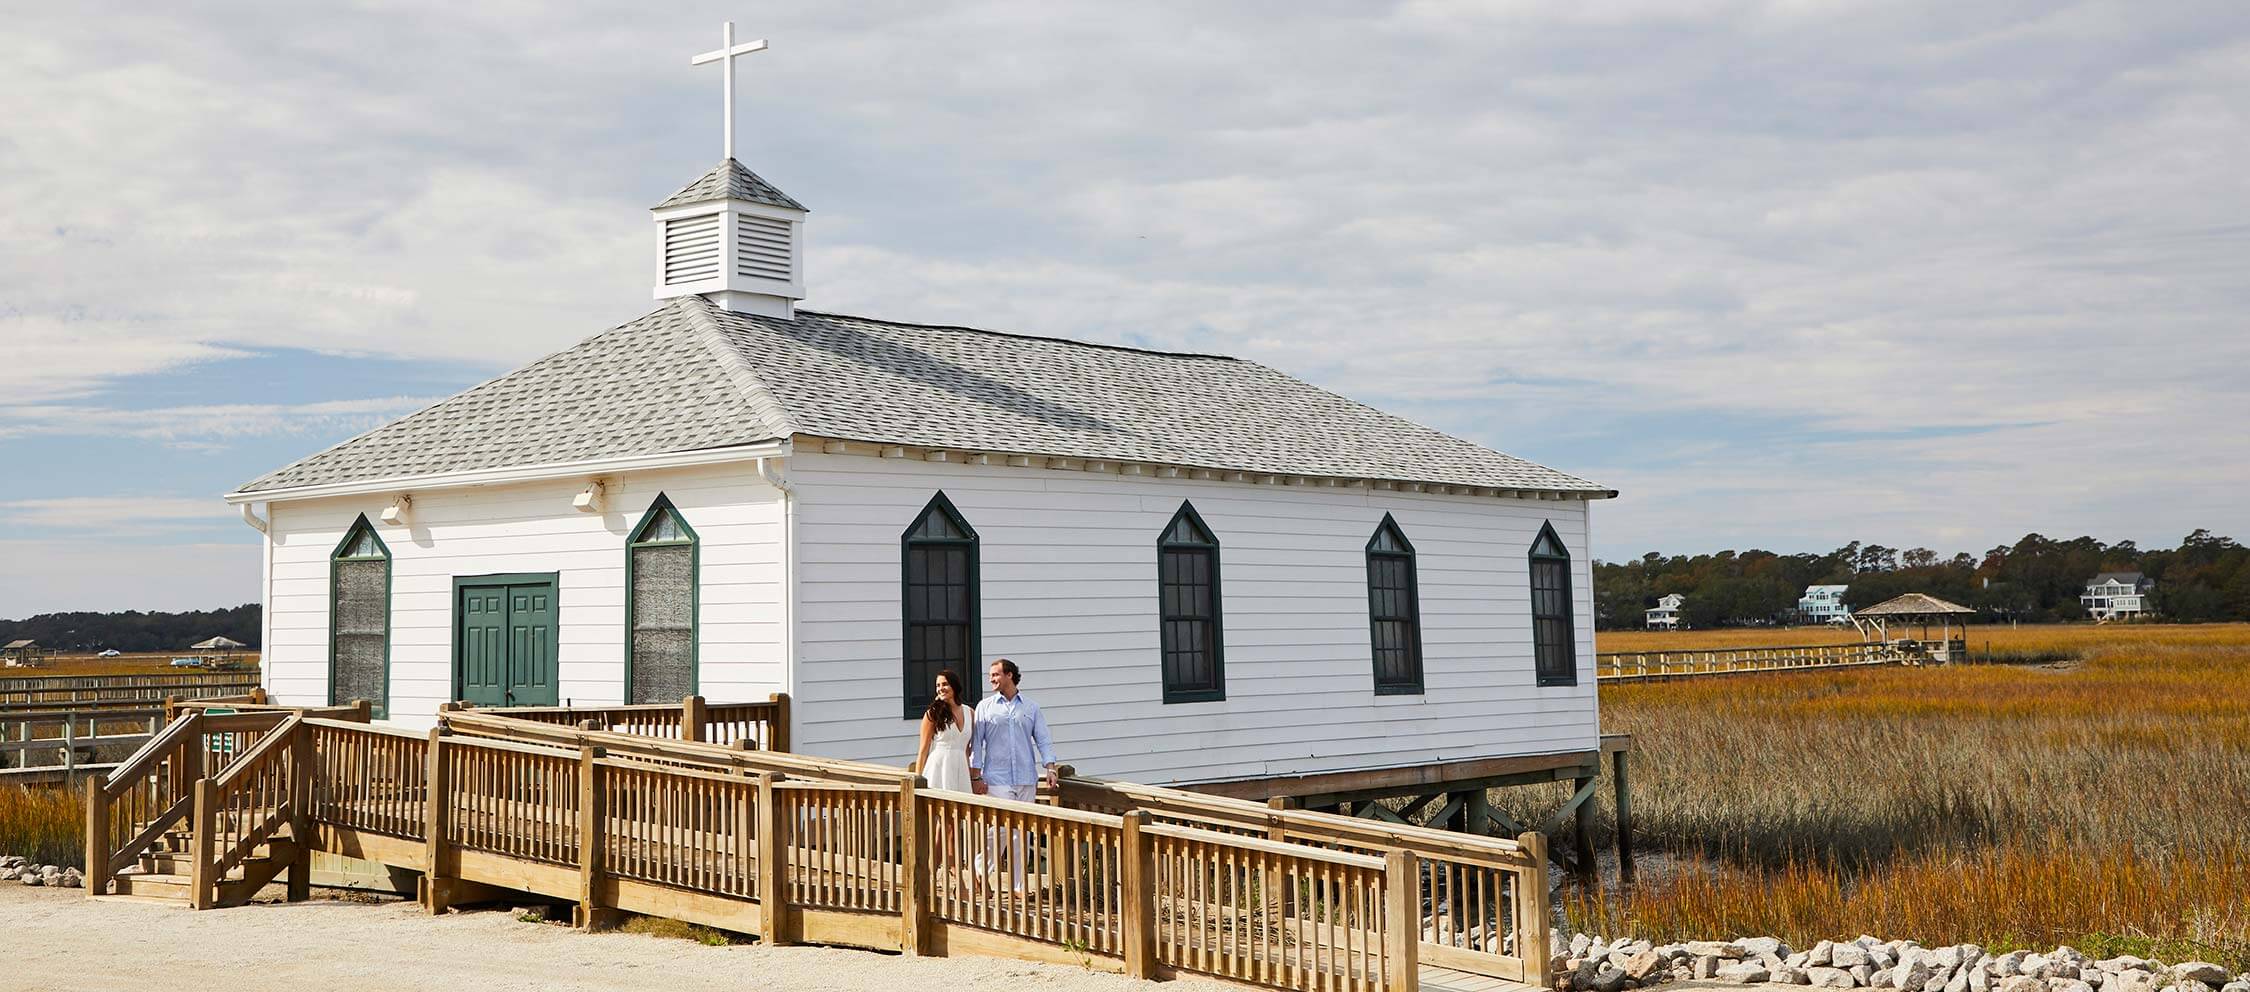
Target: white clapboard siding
[[1069, 592], [531, 527]]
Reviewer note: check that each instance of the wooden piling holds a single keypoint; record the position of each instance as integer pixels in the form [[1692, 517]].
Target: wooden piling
[[1625, 870]]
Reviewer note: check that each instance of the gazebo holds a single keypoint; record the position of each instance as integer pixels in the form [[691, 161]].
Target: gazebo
[[222, 646], [1915, 607]]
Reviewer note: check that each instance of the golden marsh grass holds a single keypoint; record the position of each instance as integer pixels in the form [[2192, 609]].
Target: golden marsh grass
[[2103, 801]]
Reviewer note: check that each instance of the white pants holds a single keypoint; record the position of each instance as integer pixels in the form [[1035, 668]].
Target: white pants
[[1007, 843]]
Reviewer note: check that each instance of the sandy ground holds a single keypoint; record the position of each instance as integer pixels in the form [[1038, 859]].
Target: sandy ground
[[61, 941]]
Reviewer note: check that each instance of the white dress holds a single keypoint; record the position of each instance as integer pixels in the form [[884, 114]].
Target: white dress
[[947, 767]]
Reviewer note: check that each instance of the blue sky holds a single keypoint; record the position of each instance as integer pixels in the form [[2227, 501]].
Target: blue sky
[[1787, 274]]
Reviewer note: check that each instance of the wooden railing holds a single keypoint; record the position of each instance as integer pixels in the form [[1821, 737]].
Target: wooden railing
[[1280, 915], [799, 849], [103, 688], [76, 735], [133, 809], [492, 724], [764, 724], [1483, 901], [369, 779], [245, 807], [1628, 666]]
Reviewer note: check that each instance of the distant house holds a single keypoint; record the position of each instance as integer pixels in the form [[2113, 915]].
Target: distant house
[[2118, 595], [1824, 604], [1666, 614]]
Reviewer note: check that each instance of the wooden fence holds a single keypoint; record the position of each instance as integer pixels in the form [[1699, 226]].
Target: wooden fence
[[1635, 666], [801, 849], [59, 743], [765, 725], [49, 689]]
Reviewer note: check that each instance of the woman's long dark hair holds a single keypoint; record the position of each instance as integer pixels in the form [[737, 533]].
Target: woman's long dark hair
[[941, 712]]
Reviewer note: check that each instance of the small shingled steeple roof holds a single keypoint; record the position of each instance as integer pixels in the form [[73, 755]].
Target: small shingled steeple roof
[[730, 180]]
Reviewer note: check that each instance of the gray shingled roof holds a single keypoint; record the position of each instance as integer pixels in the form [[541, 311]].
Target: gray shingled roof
[[1913, 604], [729, 180], [692, 376]]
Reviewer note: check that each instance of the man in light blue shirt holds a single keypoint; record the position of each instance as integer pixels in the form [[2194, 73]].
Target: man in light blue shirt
[[1009, 752]]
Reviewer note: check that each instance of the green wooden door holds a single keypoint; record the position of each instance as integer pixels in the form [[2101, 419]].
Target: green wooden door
[[504, 643], [531, 645]]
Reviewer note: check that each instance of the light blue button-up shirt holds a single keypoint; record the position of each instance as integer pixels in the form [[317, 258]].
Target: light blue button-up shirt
[[1010, 742]]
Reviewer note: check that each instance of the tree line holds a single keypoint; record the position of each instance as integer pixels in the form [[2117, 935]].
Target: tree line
[[2037, 578], [134, 630]]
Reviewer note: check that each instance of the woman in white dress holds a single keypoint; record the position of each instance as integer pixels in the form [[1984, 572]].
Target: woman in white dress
[[944, 756]]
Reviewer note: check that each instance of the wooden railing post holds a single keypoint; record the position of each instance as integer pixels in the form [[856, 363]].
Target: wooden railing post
[[1402, 916], [693, 715], [780, 740], [593, 802], [97, 835], [773, 863], [202, 887], [1535, 915], [1138, 914], [301, 761], [913, 876], [437, 886], [1276, 895]]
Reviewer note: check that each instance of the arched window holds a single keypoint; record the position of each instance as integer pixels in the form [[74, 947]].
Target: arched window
[[359, 631], [1394, 612], [938, 603], [660, 603], [1553, 644], [1187, 582]]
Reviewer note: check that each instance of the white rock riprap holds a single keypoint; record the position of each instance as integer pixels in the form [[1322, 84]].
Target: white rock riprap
[[16, 868], [1592, 964]]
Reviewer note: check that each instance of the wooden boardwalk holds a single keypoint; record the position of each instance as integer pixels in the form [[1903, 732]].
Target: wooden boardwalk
[[1654, 666], [800, 849]]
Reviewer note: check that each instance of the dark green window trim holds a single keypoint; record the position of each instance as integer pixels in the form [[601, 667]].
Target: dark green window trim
[[917, 674], [1554, 634], [1391, 570], [639, 538], [379, 708], [1196, 544]]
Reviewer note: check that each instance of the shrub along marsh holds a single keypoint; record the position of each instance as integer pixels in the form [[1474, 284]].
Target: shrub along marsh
[[2102, 801]]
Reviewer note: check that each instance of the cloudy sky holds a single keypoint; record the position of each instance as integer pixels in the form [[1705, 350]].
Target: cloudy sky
[[1788, 274]]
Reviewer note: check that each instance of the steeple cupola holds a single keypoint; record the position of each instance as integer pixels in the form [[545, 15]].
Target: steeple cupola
[[730, 236], [734, 238]]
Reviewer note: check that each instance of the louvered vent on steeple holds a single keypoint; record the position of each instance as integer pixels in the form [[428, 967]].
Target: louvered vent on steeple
[[762, 247], [734, 238], [691, 248]]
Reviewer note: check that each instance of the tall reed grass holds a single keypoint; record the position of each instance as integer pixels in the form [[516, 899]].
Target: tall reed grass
[[2095, 802], [44, 824]]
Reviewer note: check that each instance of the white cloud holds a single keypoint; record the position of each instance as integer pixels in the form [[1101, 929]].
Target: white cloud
[[202, 424], [111, 514], [2012, 232]]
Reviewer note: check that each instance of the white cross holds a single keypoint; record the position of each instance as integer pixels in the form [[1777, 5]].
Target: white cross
[[725, 56]]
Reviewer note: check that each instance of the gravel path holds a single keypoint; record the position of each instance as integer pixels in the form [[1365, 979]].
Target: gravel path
[[61, 941]]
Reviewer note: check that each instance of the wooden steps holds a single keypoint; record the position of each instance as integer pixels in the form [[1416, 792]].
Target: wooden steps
[[168, 875]]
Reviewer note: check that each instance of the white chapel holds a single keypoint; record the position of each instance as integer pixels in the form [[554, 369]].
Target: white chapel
[[1207, 570]]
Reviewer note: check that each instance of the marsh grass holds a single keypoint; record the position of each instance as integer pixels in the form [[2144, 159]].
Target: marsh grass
[[44, 824], [2099, 802], [657, 926]]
